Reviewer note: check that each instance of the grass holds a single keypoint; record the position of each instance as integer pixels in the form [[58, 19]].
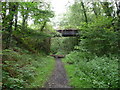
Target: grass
[[74, 81], [44, 73], [70, 73], [22, 69]]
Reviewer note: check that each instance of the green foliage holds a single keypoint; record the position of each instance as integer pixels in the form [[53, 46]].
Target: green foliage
[[63, 45], [107, 8], [39, 13], [99, 37], [42, 73], [21, 69], [99, 72], [76, 14], [92, 64], [32, 40], [24, 48], [36, 11]]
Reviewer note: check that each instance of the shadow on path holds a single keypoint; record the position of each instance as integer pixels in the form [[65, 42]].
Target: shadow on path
[[58, 78]]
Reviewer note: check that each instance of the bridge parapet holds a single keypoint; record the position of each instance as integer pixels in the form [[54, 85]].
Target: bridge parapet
[[68, 33]]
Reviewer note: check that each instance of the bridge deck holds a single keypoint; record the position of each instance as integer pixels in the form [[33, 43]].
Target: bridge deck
[[68, 33]]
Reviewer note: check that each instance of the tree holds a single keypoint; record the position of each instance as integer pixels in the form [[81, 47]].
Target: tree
[[84, 10], [16, 15], [108, 8], [9, 29], [96, 8]]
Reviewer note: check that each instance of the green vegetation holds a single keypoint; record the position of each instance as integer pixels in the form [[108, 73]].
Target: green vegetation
[[24, 70], [91, 58], [99, 72], [43, 72], [63, 45], [94, 61], [26, 63]]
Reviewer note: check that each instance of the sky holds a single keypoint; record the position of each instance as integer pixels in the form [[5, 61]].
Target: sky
[[59, 7]]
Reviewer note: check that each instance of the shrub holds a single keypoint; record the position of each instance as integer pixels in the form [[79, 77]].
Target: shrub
[[99, 72], [99, 37], [20, 68]]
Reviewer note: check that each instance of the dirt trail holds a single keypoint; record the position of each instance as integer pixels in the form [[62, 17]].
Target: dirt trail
[[58, 78]]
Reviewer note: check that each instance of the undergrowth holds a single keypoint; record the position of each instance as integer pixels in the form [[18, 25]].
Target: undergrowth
[[97, 72], [22, 69]]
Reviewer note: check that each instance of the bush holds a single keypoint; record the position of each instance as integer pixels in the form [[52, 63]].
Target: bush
[[20, 69], [99, 72], [99, 37], [63, 45]]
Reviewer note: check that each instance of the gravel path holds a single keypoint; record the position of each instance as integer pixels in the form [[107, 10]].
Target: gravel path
[[58, 78]]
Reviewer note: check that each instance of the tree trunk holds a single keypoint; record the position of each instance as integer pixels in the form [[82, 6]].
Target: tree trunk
[[118, 24], [106, 8], [16, 16], [118, 9], [25, 16], [94, 9], [4, 21], [43, 25], [84, 11], [9, 29]]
